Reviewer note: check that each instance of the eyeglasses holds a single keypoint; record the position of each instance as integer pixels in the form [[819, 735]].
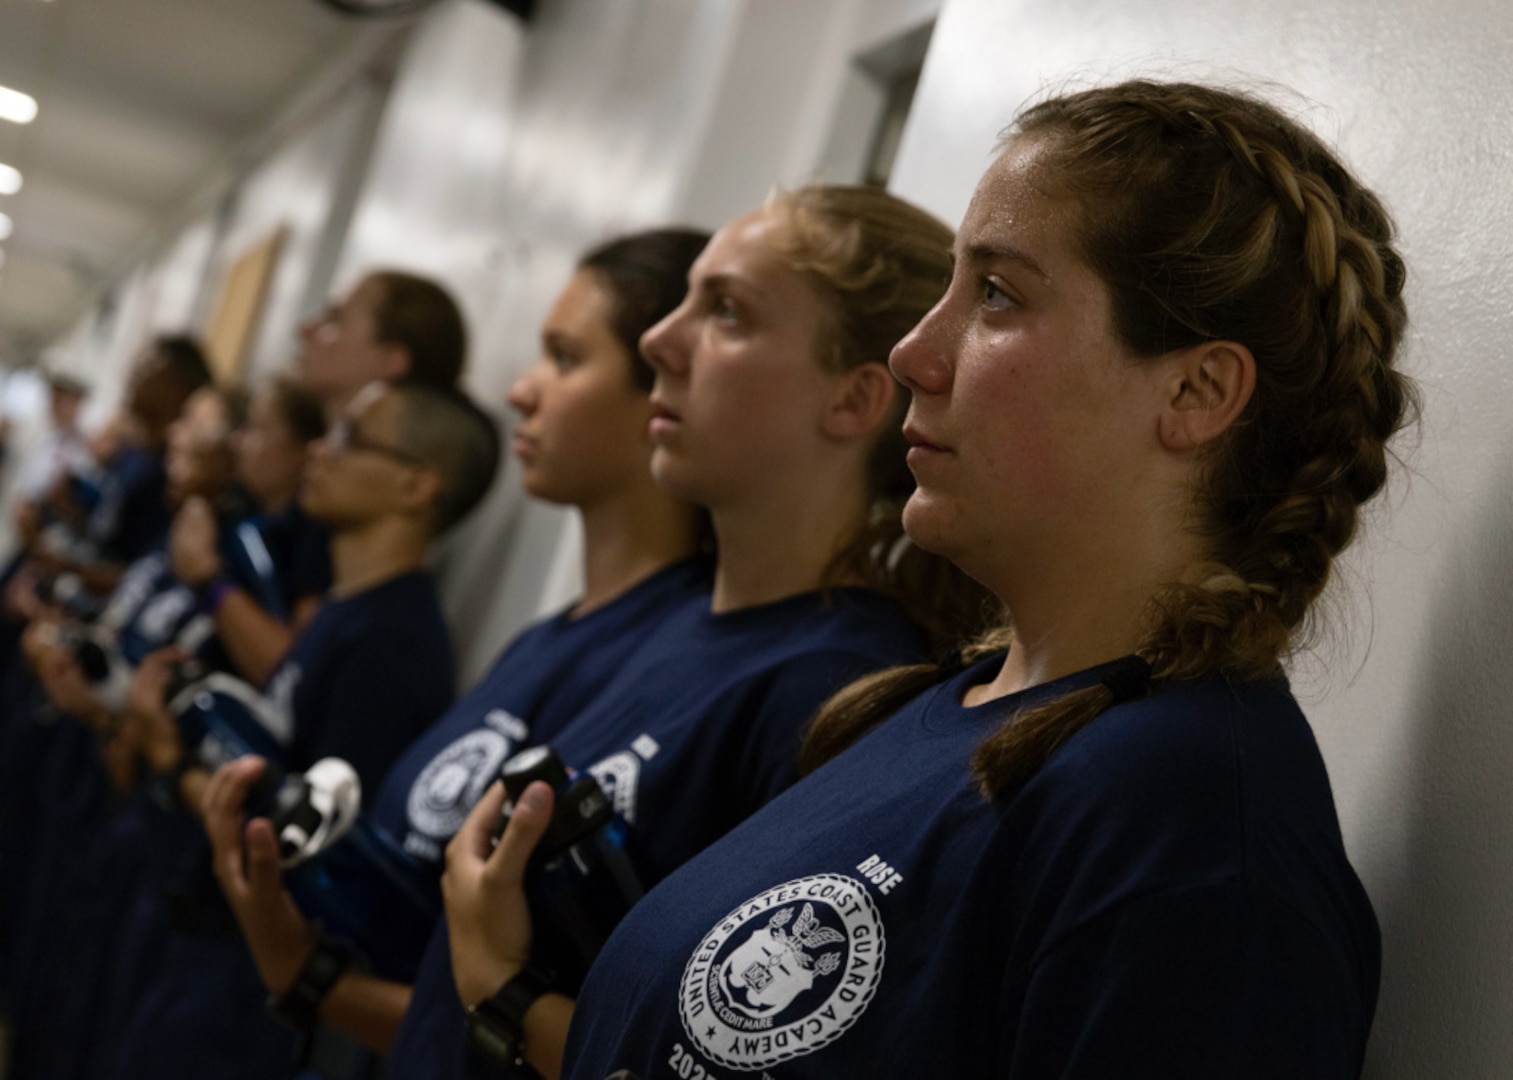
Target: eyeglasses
[[343, 437]]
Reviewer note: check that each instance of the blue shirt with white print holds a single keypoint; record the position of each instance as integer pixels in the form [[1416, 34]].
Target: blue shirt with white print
[[1168, 897], [701, 728]]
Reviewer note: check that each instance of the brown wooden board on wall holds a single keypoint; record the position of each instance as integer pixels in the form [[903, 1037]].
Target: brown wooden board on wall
[[234, 327]]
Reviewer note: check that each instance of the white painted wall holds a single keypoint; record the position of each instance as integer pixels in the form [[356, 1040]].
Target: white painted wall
[[1410, 700], [506, 150], [297, 186]]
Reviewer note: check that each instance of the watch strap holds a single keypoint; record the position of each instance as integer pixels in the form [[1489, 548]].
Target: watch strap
[[299, 1006], [496, 1025], [166, 788]]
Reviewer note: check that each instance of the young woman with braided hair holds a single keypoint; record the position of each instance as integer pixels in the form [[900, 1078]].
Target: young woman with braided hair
[[1145, 414]]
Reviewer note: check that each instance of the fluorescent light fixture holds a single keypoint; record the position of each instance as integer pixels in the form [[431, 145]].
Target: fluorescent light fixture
[[17, 107], [10, 180], [5, 227]]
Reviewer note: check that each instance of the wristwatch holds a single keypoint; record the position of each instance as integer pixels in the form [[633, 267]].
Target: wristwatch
[[164, 787], [496, 1025], [299, 1006]]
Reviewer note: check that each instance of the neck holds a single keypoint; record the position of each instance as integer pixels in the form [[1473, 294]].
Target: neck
[[783, 546], [1072, 609], [628, 538], [279, 501], [369, 554]]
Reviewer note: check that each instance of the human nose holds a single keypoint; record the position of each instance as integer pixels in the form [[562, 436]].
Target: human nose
[[662, 346], [920, 360], [524, 397]]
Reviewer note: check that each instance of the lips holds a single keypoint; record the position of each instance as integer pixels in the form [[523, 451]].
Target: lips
[[918, 440], [523, 446], [664, 420]]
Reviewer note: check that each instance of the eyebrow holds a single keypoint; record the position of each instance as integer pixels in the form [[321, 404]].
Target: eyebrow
[[983, 253], [722, 282]]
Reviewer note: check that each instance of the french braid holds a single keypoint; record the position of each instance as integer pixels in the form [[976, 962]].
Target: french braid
[[1211, 216]]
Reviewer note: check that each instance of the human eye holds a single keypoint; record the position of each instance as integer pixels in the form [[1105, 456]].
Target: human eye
[[564, 360], [724, 308], [994, 296]]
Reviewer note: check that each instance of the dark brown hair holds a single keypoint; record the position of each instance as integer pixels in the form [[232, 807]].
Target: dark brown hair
[[420, 315], [446, 431], [646, 274], [300, 410], [1210, 215]]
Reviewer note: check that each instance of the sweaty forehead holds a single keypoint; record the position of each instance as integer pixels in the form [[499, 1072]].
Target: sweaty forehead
[[1011, 211]]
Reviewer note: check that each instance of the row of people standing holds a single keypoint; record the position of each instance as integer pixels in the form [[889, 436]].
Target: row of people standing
[[1143, 415]]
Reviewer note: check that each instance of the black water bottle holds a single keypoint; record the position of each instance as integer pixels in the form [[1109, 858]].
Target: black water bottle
[[581, 880]]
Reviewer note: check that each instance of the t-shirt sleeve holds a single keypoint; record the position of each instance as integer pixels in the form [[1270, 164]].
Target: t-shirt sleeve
[[1190, 984], [378, 701]]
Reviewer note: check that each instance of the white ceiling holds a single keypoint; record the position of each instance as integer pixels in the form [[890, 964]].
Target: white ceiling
[[138, 102]]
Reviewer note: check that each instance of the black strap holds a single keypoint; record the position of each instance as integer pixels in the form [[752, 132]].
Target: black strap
[[299, 1006], [1128, 679], [496, 1025]]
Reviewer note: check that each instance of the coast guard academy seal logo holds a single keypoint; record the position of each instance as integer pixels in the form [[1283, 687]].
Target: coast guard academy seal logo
[[784, 974], [446, 790]]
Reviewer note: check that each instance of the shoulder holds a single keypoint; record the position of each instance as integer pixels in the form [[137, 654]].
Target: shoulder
[[1190, 740], [1200, 784]]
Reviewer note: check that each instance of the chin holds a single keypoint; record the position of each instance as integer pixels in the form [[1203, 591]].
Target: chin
[[673, 475], [929, 525]]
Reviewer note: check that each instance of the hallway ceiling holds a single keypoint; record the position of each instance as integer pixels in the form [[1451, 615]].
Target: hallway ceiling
[[140, 101]]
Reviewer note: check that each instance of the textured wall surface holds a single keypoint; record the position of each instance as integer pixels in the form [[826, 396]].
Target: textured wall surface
[[1409, 690]]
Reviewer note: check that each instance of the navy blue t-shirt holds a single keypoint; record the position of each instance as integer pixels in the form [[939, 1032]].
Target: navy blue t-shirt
[[131, 514], [544, 678], [701, 728], [368, 675], [1168, 897], [391, 882], [302, 547]]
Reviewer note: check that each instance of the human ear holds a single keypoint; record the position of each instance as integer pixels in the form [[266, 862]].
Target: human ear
[[1210, 385], [419, 491], [862, 401], [394, 362]]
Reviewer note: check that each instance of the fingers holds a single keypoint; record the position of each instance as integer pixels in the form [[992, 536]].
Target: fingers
[[476, 835], [528, 821], [264, 874], [225, 796]]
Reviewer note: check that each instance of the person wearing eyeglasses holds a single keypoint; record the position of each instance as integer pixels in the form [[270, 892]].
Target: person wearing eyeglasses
[[391, 327], [401, 466]]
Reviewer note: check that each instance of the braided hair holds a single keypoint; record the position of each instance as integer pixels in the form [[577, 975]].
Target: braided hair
[[1209, 215]]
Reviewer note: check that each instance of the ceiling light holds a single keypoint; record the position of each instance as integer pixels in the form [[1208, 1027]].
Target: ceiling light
[[17, 107], [10, 180], [5, 226]]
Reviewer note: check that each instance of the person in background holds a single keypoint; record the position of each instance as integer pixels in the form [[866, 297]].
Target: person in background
[[110, 513], [581, 441], [271, 450], [391, 327], [400, 467], [63, 449], [776, 411], [1147, 414], [92, 828]]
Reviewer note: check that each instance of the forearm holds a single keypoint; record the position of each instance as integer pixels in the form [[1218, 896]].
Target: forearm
[[545, 1034], [254, 639], [367, 1008]]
